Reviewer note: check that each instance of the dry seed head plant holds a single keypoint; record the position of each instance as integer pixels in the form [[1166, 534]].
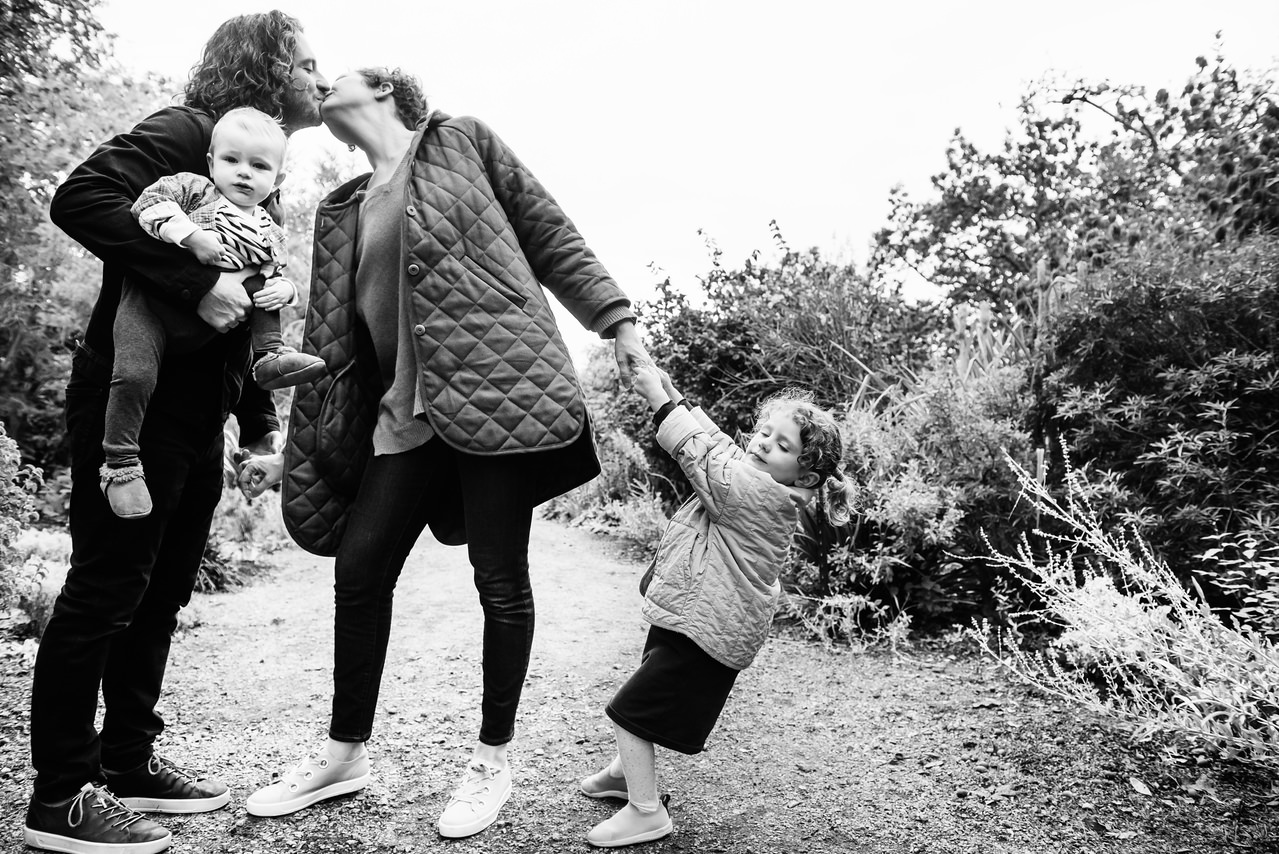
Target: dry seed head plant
[[1135, 644]]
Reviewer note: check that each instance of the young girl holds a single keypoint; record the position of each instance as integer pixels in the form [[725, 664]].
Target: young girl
[[712, 589]]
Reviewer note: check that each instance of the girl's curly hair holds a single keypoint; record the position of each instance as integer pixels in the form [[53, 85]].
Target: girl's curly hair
[[410, 102], [823, 448], [247, 62]]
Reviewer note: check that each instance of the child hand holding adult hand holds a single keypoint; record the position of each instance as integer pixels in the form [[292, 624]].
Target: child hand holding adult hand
[[648, 383], [256, 474]]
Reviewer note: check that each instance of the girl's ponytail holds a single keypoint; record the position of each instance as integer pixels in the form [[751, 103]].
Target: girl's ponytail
[[835, 497]]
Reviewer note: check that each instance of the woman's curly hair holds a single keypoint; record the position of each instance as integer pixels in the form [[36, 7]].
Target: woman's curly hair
[[823, 448], [410, 102], [247, 62]]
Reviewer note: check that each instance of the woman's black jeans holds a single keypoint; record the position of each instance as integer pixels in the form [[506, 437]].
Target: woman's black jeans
[[399, 495]]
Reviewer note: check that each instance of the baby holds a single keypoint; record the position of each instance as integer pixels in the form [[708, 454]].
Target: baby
[[219, 220]]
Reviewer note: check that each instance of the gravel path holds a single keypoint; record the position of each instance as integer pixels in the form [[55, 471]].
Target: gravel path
[[932, 752]]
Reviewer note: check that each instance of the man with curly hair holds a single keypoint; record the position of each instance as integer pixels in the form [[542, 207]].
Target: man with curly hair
[[113, 620]]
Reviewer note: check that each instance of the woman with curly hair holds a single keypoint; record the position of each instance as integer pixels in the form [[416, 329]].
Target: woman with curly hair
[[113, 620], [450, 401]]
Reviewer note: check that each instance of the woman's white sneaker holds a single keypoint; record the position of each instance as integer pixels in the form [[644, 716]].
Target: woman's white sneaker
[[315, 779], [477, 801]]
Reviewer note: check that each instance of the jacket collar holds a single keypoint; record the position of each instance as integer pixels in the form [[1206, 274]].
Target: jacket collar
[[345, 194]]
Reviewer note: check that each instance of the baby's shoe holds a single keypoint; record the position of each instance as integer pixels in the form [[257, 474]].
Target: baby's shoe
[[602, 784], [631, 826], [126, 491], [285, 368]]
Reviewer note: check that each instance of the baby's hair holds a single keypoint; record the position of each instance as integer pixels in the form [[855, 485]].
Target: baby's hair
[[406, 91], [823, 448], [254, 122]]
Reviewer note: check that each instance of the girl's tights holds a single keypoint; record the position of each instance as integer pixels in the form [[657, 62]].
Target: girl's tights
[[637, 764]]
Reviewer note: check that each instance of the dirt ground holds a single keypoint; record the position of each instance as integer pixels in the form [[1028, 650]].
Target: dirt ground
[[931, 751]]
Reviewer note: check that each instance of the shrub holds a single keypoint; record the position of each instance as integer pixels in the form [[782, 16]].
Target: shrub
[[1133, 642], [243, 532], [1165, 375], [40, 559], [19, 484], [927, 461], [755, 330]]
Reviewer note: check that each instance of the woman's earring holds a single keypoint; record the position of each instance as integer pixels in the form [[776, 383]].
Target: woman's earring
[[351, 148]]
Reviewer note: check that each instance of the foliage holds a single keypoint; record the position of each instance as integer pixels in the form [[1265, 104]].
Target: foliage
[[1135, 643], [1245, 568], [243, 533], [927, 460], [19, 482], [802, 320], [1165, 377], [60, 96], [34, 575], [1188, 169]]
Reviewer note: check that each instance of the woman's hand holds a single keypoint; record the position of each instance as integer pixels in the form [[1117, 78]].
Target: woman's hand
[[275, 294], [257, 474], [629, 349]]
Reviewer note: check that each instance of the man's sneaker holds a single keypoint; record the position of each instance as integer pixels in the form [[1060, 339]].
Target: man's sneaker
[[477, 801], [160, 786], [285, 368], [603, 784], [630, 826], [93, 822], [315, 779]]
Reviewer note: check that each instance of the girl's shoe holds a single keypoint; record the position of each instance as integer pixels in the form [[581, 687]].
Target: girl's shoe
[[126, 491], [315, 779], [602, 784], [631, 827]]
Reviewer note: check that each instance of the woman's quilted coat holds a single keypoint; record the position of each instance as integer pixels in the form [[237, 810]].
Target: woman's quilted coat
[[480, 238]]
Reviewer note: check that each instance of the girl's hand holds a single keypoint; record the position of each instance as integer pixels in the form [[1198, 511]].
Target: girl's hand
[[648, 383], [275, 294], [258, 474]]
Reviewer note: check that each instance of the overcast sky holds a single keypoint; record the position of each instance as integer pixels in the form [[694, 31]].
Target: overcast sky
[[649, 120]]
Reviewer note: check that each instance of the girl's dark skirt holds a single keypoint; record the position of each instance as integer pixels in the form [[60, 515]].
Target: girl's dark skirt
[[676, 695]]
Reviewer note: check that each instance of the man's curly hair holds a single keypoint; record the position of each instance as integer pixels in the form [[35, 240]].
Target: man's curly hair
[[247, 62], [410, 103]]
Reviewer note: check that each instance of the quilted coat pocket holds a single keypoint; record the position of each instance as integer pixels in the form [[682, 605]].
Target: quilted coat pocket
[[671, 586], [507, 290]]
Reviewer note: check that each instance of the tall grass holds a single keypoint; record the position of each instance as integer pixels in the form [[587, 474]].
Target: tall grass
[[1134, 643]]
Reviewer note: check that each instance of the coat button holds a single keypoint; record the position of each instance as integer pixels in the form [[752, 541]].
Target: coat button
[[419, 330], [411, 211], [414, 269]]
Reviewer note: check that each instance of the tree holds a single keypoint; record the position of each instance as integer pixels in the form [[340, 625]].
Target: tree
[[1192, 169]]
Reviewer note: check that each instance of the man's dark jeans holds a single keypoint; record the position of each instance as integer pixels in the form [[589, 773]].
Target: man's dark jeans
[[113, 620], [399, 495]]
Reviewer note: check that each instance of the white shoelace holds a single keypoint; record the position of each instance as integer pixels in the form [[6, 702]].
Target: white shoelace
[[474, 785], [112, 810]]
